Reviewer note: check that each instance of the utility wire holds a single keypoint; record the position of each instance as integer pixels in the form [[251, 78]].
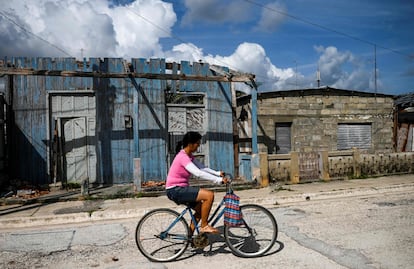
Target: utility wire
[[172, 35], [325, 28], [31, 33]]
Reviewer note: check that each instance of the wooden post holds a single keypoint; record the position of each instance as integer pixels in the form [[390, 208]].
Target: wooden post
[[137, 174], [324, 165], [85, 187], [294, 167], [235, 131], [264, 169], [356, 163], [255, 148]]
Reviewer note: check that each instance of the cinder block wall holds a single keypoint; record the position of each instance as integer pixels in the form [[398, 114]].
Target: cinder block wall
[[315, 120], [344, 165]]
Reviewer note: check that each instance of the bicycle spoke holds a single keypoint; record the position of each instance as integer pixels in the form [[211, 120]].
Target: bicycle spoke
[[163, 245], [254, 238]]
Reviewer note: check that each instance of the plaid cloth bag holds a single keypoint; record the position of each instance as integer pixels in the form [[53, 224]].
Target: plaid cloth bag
[[232, 213]]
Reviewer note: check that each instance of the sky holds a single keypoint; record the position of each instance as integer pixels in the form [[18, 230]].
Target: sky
[[354, 45]]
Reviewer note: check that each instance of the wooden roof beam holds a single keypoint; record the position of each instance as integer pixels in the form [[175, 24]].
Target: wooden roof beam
[[61, 73]]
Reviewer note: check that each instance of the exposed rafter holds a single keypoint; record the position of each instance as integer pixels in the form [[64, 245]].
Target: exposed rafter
[[61, 73]]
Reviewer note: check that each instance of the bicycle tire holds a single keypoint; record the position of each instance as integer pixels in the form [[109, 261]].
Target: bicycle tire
[[256, 241], [155, 245]]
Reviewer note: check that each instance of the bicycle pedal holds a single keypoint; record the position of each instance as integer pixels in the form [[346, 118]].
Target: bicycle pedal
[[200, 241]]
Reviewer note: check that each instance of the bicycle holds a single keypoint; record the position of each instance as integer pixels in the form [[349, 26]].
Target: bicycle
[[162, 234]]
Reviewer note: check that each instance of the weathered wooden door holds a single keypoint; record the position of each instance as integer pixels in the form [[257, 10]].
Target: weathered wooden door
[[74, 123], [74, 148], [283, 138], [79, 149]]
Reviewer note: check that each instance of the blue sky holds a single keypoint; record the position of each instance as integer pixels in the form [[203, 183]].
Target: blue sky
[[283, 43]]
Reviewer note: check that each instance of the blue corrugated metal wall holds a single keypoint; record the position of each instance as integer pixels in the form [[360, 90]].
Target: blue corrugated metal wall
[[114, 100], [28, 135], [116, 146], [219, 130], [151, 118]]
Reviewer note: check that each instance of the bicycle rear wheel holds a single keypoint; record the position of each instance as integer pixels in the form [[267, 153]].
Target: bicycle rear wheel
[[161, 236], [256, 236]]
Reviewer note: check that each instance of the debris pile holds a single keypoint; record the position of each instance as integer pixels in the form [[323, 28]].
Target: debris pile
[[152, 183], [22, 190], [30, 193]]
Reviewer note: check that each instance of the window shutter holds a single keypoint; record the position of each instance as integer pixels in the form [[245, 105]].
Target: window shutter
[[283, 135], [354, 135]]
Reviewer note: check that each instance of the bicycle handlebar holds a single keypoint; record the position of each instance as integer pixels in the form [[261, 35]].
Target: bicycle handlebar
[[229, 178]]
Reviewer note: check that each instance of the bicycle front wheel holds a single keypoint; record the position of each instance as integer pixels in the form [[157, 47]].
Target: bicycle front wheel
[[256, 236], [161, 235]]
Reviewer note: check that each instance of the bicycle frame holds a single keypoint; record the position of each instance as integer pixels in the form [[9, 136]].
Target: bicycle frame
[[165, 233], [220, 214], [213, 219], [188, 210]]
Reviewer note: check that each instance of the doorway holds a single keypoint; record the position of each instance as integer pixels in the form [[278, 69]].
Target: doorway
[[73, 155]]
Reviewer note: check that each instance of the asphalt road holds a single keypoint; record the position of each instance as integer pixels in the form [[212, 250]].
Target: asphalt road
[[364, 231]]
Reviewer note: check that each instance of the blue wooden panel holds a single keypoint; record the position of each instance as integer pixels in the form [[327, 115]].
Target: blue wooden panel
[[116, 146], [245, 167], [115, 142], [29, 143], [86, 83], [139, 65], [186, 69], [47, 64], [219, 130], [151, 121]]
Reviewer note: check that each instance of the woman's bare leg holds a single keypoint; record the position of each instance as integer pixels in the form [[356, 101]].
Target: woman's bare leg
[[197, 216], [207, 198]]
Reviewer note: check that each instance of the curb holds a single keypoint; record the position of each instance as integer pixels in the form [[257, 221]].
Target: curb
[[324, 195], [283, 200]]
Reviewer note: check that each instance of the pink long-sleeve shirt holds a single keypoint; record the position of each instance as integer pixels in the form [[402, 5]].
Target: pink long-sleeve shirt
[[183, 166]]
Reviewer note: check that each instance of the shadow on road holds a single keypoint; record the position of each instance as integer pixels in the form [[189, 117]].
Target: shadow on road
[[218, 246]]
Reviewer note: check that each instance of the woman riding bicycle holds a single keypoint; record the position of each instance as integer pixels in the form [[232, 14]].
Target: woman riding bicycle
[[178, 182]]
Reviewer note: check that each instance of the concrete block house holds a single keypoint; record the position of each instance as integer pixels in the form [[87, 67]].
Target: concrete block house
[[322, 133]]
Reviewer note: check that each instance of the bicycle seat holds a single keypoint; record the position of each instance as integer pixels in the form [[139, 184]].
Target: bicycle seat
[[188, 204]]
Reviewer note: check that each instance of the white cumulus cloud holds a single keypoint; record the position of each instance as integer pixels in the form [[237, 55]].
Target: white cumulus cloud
[[38, 27], [97, 28], [342, 69], [248, 58]]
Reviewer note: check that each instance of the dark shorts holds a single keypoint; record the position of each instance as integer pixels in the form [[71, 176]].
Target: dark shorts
[[184, 195]]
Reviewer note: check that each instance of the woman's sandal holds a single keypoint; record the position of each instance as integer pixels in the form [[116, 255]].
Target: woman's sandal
[[209, 229]]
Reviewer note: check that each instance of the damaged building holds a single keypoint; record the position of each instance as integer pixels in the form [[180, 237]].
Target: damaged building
[[404, 122], [112, 121]]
